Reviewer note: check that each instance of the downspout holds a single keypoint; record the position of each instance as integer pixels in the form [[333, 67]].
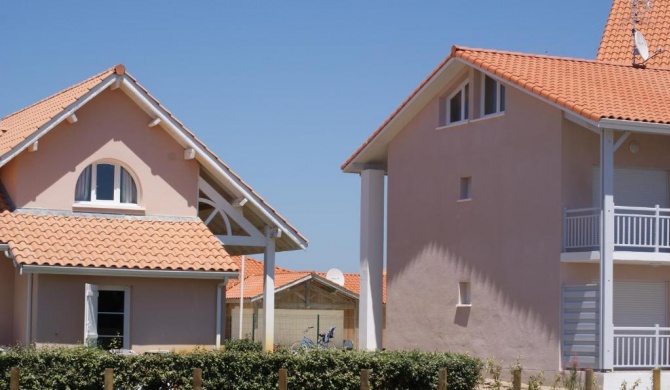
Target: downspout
[[29, 309], [219, 289]]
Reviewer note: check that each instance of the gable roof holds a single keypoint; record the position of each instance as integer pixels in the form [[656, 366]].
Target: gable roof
[[24, 127], [253, 280], [616, 45], [112, 242], [589, 89]]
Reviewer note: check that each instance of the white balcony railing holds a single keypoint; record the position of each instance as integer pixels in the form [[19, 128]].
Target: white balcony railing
[[641, 347], [635, 228]]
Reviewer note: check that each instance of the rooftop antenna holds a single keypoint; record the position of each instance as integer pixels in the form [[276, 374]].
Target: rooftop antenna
[[640, 46]]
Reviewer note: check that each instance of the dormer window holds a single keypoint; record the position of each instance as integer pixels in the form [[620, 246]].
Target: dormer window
[[106, 183]]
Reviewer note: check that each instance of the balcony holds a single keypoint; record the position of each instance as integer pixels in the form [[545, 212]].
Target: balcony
[[641, 347], [640, 234]]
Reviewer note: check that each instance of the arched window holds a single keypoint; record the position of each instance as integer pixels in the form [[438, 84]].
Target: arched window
[[106, 182]]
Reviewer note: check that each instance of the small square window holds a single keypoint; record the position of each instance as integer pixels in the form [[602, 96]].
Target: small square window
[[466, 188], [464, 297]]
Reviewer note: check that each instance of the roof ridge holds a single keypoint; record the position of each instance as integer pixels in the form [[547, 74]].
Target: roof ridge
[[58, 93], [457, 48]]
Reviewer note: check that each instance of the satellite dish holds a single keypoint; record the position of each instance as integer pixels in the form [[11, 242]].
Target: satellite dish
[[336, 276], [641, 45]]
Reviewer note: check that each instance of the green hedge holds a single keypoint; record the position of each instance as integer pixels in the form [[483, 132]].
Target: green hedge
[[237, 368]]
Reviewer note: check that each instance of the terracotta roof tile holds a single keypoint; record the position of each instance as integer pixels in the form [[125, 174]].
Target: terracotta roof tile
[[113, 242], [616, 45], [591, 89], [253, 282], [16, 127]]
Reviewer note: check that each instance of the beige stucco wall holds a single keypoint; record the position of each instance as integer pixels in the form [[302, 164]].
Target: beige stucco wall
[[164, 313], [581, 152], [505, 241], [111, 126], [6, 300], [20, 307]]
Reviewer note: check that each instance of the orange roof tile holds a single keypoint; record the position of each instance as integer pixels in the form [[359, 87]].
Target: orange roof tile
[[253, 283], [112, 242], [591, 89], [616, 45], [16, 127], [253, 266]]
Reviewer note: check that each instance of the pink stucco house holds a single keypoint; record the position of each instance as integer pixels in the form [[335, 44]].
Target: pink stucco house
[[528, 207], [117, 225]]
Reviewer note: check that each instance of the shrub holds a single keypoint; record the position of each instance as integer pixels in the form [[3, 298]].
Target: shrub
[[243, 345], [237, 368]]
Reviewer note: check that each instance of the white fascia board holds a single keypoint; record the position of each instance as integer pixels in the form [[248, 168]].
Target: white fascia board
[[634, 126], [206, 159], [56, 120], [352, 166], [137, 273], [242, 240]]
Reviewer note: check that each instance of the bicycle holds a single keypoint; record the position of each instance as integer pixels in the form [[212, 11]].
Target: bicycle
[[323, 341]]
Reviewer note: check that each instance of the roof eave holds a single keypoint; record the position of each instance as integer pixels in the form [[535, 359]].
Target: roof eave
[[429, 88], [127, 272], [634, 126]]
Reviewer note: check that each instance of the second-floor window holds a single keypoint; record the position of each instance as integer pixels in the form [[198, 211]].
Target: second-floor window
[[106, 182], [458, 105], [494, 96]]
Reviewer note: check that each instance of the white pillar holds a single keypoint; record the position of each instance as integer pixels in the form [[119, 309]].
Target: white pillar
[[268, 330], [372, 259], [607, 250]]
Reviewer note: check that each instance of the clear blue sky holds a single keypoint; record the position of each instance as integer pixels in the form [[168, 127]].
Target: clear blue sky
[[282, 91]]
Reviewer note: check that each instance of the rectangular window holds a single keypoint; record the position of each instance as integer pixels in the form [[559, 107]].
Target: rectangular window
[[111, 319], [458, 105], [104, 189], [464, 297], [494, 96], [466, 188]]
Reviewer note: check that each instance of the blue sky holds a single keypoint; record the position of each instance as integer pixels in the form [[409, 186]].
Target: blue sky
[[283, 91]]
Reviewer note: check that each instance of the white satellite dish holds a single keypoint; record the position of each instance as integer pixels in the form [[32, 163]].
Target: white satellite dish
[[336, 276], [641, 45]]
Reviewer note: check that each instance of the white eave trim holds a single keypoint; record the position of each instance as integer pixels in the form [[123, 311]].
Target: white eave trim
[[137, 273], [56, 120], [352, 167], [634, 126], [206, 159]]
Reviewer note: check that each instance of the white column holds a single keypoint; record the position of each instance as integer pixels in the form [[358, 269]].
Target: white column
[[372, 259], [268, 329], [607, 250]]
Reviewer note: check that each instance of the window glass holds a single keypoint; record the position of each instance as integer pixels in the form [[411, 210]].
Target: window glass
[[464, 293], [111, 305], [466, 188], [490, 96], [83, 189], [128, 187], [104, 189], [455, 108]]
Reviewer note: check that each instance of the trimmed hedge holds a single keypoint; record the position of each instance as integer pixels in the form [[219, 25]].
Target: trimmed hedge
[[241, 367]]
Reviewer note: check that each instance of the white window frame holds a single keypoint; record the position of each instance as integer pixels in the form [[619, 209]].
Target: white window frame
[[126, 311], [465, 105], [116, 202], [464, 294], [499, 88]]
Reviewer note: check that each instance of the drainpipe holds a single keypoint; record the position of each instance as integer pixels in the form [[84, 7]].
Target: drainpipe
[[29, 309], [219, 289]]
